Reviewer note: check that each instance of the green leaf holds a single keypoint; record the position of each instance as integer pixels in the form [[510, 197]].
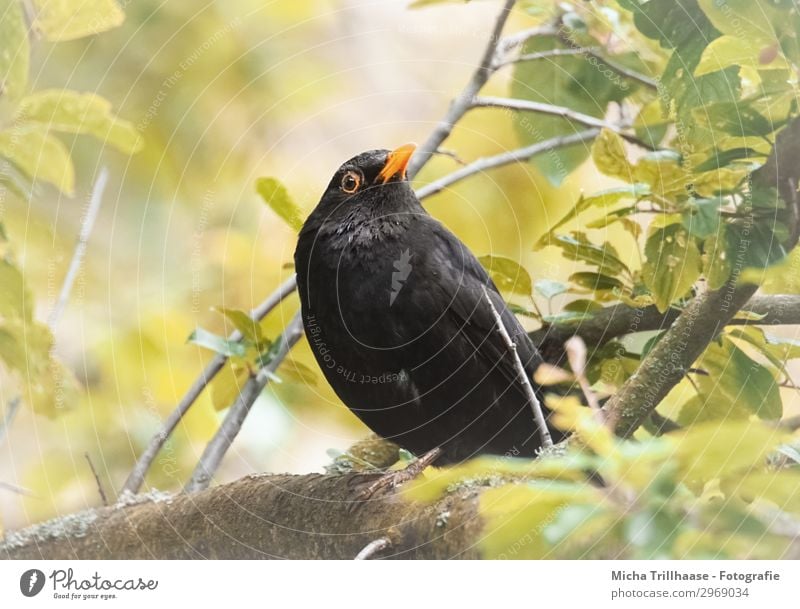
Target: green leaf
[[507, 275], [16, 301], [249, 328], [736, 118], [548, 288], [228, 384], [717, 265], [604, 199], [39, 155], [298, 372], [754, 20], [781, 278], [86, 113], [672, 265], [721, 158], [277, 197], [569, 81], [60, 20], [596, 281], [14, 49], [736, 387], [701, 217], [730, 50], [578, 247], [679, 25], [216, 343]]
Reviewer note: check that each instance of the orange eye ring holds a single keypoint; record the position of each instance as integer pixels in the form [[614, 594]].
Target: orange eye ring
[[351, 182]]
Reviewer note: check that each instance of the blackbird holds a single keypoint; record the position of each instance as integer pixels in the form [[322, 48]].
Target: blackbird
[[395, 311]]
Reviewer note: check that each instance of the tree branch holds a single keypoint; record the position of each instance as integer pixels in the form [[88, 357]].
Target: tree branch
[[139, 471], [706, 315], [262, 516], [536, 406], [221, 442], [505, 158], [461, 104], [620, 320], [523, 105]]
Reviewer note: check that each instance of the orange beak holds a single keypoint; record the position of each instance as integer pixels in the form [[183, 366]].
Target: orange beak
[[396, 163]]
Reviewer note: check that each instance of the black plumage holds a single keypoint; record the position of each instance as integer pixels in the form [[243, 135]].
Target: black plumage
[[394, 309]]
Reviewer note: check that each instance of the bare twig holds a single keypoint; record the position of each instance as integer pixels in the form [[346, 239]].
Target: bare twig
[[524, 105], [373, 547], [215, 450], [136, 477], [461, 104], [505, 158], [11, 412], [543, 55], [87, 225], [622, 70], [16, 489], [538, 414], [96, 479]]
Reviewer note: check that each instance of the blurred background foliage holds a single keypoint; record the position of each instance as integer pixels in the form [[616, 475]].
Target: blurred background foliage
[[219, 94], [213, 96]]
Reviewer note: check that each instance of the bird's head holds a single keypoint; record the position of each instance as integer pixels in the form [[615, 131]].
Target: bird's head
[[372, 180]]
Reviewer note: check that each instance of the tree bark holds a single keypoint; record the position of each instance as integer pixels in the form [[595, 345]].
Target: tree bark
[[312, 516]]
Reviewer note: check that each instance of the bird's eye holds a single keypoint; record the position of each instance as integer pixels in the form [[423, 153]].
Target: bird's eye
[[350, 182]]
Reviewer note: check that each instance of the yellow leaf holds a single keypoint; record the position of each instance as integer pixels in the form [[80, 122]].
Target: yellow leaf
[[732, 50], [662, 171], [60, 20], [39, 155], [517, 515], [277, 197], [228, 384], [15, 54], [73, 112], [715, 450], [608, 153], [781, 488]]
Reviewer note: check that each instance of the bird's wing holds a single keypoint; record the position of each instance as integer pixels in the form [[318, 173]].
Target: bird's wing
[[462, 283]]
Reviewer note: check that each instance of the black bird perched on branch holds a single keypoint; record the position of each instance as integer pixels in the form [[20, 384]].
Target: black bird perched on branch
[[395, 309]]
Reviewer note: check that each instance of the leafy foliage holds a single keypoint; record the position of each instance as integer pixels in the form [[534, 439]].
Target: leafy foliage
[[33, 153]]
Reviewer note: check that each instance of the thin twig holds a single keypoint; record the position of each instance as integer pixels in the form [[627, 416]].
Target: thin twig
[[16, 489], [543, 55], [87, 224], [624, 71], [11, 412], [524, 105], [463, 101], [80, 248], [215, 450], [505, 158], [373, 547], [96, 479], [139, 471], [538, 414]]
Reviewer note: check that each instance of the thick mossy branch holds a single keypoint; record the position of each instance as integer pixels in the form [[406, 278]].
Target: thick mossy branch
[[268, 516], [621, 320]]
